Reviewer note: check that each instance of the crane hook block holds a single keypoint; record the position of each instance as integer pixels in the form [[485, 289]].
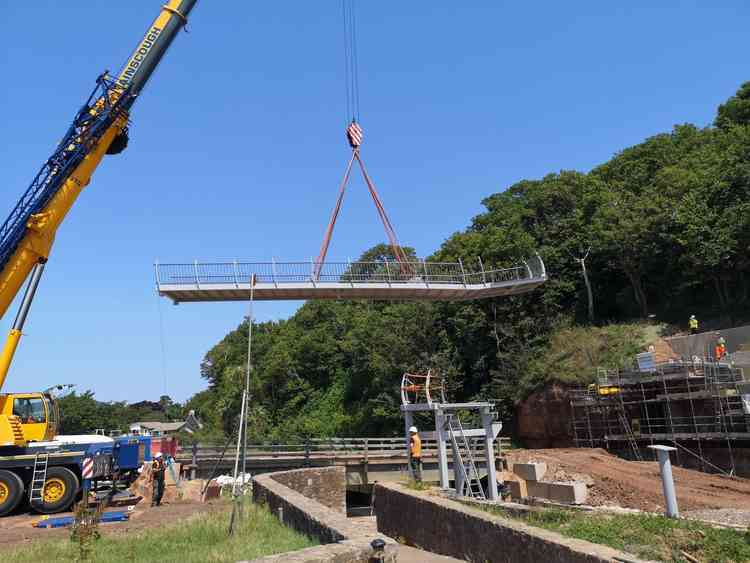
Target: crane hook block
[[354, 135]]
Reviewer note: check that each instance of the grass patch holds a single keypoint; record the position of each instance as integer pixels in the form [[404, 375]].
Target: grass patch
[[200, 538], [416, 485], [646, 536]]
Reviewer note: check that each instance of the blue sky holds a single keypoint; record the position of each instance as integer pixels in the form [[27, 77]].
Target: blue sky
[[237, 144]]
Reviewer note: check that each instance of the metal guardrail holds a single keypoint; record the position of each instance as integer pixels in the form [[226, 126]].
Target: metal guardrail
[[358, 448], [388, 272]]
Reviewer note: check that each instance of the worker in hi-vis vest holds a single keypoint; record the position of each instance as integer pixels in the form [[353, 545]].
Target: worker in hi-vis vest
[[693, 324], [158, 468], [415, 454], [720, 350]]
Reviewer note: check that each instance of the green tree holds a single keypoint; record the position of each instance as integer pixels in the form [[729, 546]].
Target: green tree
[[736, 110], [668, 225]]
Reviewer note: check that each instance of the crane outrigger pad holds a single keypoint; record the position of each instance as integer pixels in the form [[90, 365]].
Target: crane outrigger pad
[[279, 281]]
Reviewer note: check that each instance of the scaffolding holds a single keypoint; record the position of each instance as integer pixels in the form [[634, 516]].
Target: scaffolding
[[696, 405]]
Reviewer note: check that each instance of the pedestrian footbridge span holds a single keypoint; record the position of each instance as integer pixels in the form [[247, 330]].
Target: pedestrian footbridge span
[[383, 280]]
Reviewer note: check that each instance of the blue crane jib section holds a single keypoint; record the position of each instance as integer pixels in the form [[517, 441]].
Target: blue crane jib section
[[90, 123]]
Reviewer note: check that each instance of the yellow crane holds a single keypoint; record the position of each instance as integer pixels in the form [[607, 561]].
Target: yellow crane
[[26, 238]]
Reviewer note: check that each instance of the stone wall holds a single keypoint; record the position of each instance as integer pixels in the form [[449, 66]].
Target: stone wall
[[297, 511], [451, 528], [346, 542], [326, 485]]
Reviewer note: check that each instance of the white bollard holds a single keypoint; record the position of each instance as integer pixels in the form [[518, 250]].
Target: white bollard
[[667, 481]]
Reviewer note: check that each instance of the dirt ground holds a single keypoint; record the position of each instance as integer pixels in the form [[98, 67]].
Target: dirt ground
[[18, 530], [631, 484]]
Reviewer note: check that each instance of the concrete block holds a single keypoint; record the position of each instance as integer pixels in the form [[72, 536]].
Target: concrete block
[[517, 489], [570, 493], [537, 489], [530, 471]]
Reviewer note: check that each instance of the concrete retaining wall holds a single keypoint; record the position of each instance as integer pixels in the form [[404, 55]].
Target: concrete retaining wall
[[702, 344], [326, 485], [346, 542], [451, 528]]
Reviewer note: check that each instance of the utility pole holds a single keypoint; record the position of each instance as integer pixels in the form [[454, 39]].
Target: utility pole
[[240, 460], [248, 372], [235, 491]]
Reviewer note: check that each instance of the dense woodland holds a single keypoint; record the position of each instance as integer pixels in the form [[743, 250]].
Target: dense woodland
[[82, 413], [664, 227]]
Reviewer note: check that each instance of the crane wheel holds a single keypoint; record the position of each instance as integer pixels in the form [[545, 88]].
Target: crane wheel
[[11, 491], [60, 490]]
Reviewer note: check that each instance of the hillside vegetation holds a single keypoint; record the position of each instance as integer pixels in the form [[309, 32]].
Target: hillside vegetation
[[666, 225]]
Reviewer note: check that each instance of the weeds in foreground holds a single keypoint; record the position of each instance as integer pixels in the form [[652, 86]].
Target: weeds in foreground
[[198, 539], [85, 529]]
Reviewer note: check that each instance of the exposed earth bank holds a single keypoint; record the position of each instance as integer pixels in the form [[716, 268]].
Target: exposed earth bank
[[543, 419], [636, 484]]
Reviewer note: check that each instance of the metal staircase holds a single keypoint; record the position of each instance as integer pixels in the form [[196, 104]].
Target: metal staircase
[[15, 424], [728, 412], [629, 434], [38, 478], [466, 469]]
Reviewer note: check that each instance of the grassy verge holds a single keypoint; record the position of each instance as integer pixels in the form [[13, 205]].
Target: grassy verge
[[573, 354], [198, 539], [416, 486], [646, 536]]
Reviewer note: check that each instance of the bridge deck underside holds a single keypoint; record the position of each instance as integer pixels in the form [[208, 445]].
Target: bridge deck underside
[[332, 290]]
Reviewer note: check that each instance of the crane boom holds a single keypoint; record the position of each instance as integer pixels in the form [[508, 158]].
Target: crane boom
[[99, 128]]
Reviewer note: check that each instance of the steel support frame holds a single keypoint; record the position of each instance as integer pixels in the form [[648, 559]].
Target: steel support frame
[[488, 433]]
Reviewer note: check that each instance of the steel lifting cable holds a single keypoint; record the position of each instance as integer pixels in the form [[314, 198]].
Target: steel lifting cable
[[389, 230], [354, 135], [351, 60], [332, 220]]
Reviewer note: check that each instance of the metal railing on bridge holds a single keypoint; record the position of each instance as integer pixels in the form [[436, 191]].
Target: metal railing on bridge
[[201, 273], [200, 281], [325, 448]]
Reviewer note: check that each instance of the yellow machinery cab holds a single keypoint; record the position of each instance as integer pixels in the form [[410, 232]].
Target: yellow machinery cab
[[603, 390], [27, 417]]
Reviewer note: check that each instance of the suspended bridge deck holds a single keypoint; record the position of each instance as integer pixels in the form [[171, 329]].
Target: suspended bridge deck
[[278, 281]]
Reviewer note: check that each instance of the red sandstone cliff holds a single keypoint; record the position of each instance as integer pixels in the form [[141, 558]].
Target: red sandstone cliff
[[543, 419]]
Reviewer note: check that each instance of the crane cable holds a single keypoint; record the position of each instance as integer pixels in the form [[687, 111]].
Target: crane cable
[[355, 136], [351, 61]]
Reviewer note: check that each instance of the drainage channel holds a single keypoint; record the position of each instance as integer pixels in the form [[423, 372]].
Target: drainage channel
[[358, 503]]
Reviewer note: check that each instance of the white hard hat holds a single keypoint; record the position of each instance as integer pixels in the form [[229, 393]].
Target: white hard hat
[[692, 316], [413, 429], [158, 455]]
